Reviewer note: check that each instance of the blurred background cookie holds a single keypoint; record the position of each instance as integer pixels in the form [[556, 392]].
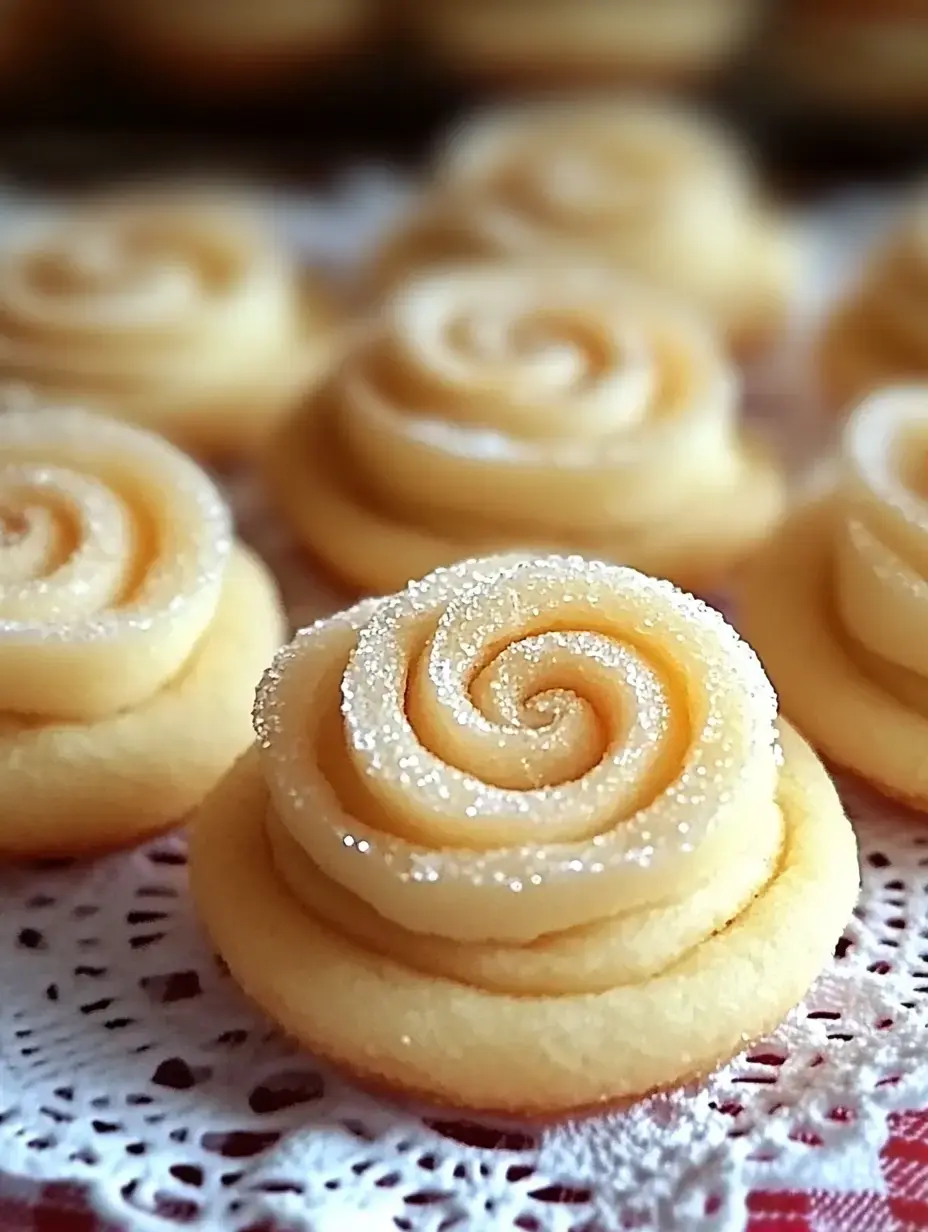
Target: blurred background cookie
[[578, 43], [878, 334], [169, 308], [643, 187], [500, 408]]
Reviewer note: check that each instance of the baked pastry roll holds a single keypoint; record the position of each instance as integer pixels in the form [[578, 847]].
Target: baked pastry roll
[[836, 603], [133, 629], [582, 43], [173, 310], [541, 814], [501, 406], [647, 189]]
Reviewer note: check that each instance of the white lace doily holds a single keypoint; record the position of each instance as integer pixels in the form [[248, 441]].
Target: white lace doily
[[130, 1063]]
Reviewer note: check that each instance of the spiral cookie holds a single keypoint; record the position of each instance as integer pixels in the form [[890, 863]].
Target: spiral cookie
[[538, 813], [132, 633], [837, 602], [501, 407], [649, 190], [578, 43], [172, 311], [879, 335]]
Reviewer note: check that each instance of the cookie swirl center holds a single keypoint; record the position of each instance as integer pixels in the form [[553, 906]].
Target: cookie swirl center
[[525, 354], [505, 732], [114, 545]]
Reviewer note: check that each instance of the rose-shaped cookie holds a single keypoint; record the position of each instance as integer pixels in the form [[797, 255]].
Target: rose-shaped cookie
[[132, 632], [499, 407], [540, 815], [879, 334], [643, 189], [580, 43], [236, 48], [837, 603], [171, 310]]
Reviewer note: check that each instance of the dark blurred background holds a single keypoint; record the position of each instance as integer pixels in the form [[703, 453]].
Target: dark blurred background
[[827, 90]]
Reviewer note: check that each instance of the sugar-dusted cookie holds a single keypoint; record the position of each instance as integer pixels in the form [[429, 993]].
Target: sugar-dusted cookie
[[499, 407], [878, 334], [133, 630], [172, 309], [836, 604], [651, 190], [541, 816]]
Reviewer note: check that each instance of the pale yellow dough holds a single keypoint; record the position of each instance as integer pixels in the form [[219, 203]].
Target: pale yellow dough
[[646, 189], [132, 633], [500, 408], [836, 603], [171, 309], [878, 334], [538, 813]]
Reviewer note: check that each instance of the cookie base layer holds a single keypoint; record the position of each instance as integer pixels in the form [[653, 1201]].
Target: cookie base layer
[[464, 1047], [371, 552], [784, 610], [74, 789]]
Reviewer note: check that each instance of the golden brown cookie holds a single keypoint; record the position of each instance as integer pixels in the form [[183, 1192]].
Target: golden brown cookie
[[502, 407], [878, 334], [133, 630], [836, 603], [650, 190], [172, 309], [540, 814]]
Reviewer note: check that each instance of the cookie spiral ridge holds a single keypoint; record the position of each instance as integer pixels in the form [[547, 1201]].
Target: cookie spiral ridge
[[637, 183], [113, 548], [510, 753], [573, 404], [881, 543], [654, 192], [151, 310], [500, 407]]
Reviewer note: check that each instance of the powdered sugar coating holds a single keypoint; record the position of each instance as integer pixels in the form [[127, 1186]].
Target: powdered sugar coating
[[89, 453], [112, 560], [691, 737]]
